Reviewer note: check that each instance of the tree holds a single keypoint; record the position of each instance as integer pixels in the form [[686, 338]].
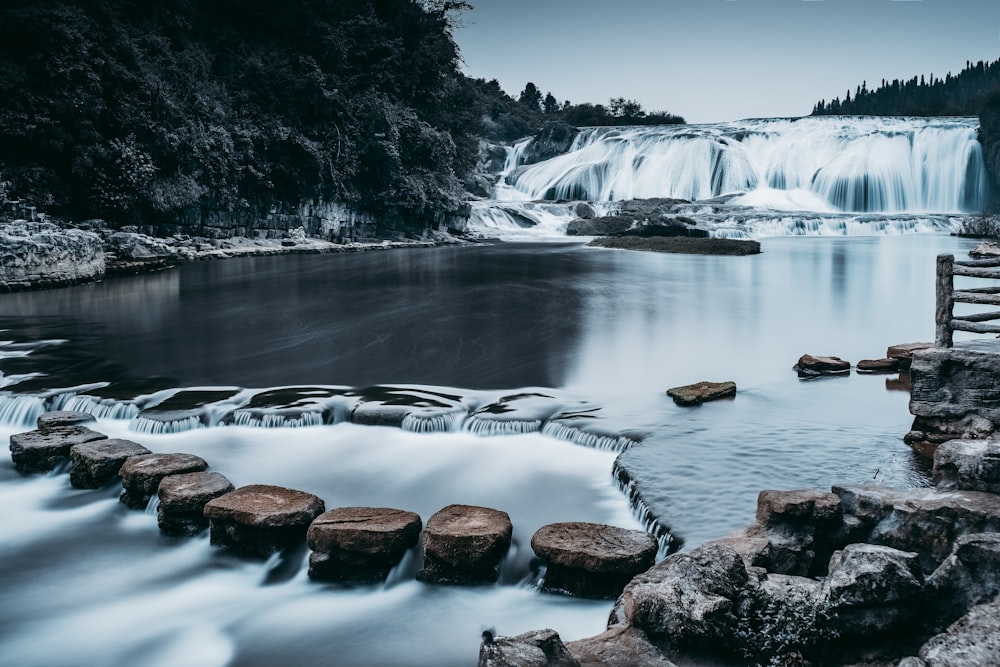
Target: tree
[[550, 104], [531, 97]]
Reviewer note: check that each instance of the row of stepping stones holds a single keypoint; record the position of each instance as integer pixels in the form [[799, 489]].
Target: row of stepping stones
[[462, 544], [897, 358]]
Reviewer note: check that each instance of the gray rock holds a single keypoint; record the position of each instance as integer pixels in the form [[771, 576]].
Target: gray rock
[[774, 551], [868, 575], [810, 365], [59, 418], [797, 510], [259, 520], [43, 255], [592, 560], [465, 544], [183, 498], [689, 597], [360, 544], [700, 392], [539, 648], [780, 619], [42, 451], [141, 475], [619, 646], [972, 641], [97, 462], [972, 465], [969, 576]]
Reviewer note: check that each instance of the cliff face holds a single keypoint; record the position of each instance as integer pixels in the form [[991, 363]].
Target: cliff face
[[989, 137]]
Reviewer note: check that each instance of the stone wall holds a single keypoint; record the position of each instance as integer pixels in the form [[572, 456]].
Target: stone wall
[[38, 254]]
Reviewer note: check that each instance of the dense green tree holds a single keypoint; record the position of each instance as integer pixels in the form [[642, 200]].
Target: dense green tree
[[531, 97]]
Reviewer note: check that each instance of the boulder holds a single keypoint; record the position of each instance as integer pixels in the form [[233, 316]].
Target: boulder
[[465, 544], [259, 520], [809, 366], [780, 620], [42, 451], [619, 646], [360, 544], [689, 597], [871, 589], [50, 420], [592, 560], [972, 465], [141, 475], [878, 365], [183, 498], [969, 576], [903, 353], [972, 641], [97, 462], [698, 393], [539, 648], [795, 511], [774, 551], [43, 255]]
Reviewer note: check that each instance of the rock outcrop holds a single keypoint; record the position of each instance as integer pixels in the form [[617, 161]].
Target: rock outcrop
[[40, 254]]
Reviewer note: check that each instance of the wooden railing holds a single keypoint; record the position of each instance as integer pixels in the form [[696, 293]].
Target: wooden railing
[[948, 296]]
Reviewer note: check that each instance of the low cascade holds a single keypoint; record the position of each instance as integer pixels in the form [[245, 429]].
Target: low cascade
[[157, 426], [100, 408], [20, 410], [856, 164], [258, 419], [493, 426]]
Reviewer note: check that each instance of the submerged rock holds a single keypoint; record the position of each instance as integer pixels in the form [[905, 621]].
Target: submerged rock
[[360, 544], [700, 392], [465, 544], [259, 520], [42, 451], [97, 462], [592, 560], [183, 498], [141, 475]]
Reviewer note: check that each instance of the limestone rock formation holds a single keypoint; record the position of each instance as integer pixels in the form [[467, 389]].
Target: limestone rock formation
[[43, 255], [972, 465]]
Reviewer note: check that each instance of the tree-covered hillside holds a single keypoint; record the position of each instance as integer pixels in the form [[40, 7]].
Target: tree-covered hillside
[[138, 110]]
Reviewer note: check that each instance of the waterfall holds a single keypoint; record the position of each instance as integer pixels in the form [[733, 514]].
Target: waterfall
[[850, 164]]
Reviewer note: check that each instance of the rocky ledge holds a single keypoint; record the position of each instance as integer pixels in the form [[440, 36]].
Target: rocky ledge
[[679, 244], [40, 254]]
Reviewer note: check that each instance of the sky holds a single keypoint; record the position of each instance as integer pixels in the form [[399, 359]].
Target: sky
[[721, 60]]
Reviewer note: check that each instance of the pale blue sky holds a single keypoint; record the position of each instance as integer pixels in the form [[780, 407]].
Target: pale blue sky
[[715, 60]]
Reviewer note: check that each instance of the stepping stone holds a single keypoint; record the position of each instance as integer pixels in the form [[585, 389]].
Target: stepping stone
[[259, 520], [887, 365], [698, 393], [904, 353], [360, 544], [42, 451], [141, 475], [811, 366], [97, 463], [50, 420], [465, 544], [183, 498], [592, 560]]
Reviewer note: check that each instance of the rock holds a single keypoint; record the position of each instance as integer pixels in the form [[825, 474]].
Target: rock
[[611, 225], [868, 575], [584, 210], [903, 353], [797, 510], [183, 498], [690, 245], [464, 544], [773, 551], [50, 420], [969, 576], [539, 648], [43, 255], [695, 394], [42, 451], [987, 249], [259, 520], [554, 138], [689, 597], [780, 620], [619, 646], [928, 433], [812, 366], [972, 465], [141, 475], [97, 462], [360, 544], [878, 365], [972, 641], [592, 560]]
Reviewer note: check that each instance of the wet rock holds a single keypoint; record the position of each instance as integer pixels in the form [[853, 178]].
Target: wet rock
[[813, 366], [797, 510], [43, 255], [360, 544], [539, 648], [928, 433], [872, 589], [465, 544], [141, 475], [259, 520], [969, 576], [50, 420], [41, 451], [878, 365], [903, 353], [97, 462], [619, 646], [772, 550], [592, 560], [698, 393], [972, 641], [972, 465], [689, 597], [183, 498]]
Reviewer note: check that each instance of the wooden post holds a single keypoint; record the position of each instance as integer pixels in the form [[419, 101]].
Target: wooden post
[[945, 300]]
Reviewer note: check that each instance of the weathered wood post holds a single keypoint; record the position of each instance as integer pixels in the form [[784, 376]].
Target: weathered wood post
[[945, 300]]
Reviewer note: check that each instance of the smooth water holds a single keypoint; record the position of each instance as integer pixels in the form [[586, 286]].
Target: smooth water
[[85, 580]]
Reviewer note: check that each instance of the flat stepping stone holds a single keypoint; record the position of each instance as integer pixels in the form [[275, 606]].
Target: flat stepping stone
[[813, 366], [259, 520], [887, 365], [183, 498], [465, 544], [96, 463], [592, 560], [42, 451], [904, 353], [141, 475], [50, 420], [360, 544], [698, 393]]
